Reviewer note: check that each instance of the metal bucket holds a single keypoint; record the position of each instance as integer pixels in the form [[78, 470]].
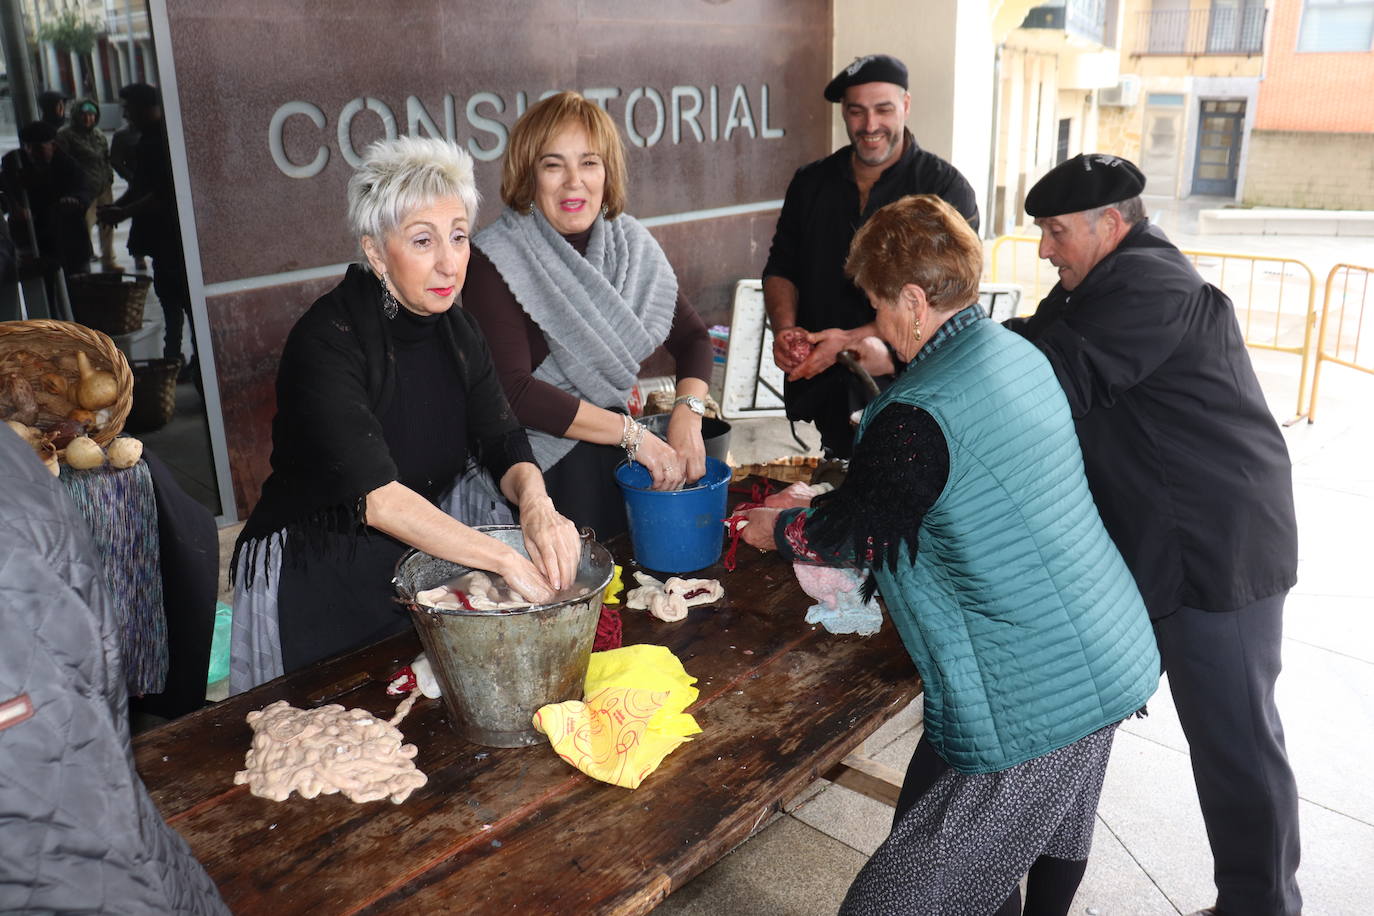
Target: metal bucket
[[496, 668]]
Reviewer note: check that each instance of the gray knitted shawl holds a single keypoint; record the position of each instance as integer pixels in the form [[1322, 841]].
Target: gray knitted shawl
[[602, 314]]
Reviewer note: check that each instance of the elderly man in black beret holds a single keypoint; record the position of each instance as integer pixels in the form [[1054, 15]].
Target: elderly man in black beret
[[810, 302], [1192, 478]]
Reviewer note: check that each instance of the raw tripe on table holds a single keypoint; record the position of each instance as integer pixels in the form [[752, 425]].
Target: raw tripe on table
[[329, 750], [669, 601], [480, 591]]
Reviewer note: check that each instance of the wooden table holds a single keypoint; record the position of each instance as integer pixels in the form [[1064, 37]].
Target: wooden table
[[518, 830]]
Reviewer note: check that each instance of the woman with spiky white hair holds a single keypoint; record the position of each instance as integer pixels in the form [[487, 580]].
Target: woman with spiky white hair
[[385, 392]]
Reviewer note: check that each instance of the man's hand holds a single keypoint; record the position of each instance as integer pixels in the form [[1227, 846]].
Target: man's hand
[[791, 346], [826, 345]]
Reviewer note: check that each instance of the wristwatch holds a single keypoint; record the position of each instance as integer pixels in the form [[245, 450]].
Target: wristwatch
[[695, 404]]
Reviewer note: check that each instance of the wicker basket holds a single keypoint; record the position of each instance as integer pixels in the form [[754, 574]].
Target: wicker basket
[[112, 303], [40, 348], [155, 394]]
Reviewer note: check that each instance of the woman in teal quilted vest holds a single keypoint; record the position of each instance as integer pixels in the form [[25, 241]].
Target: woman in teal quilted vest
[[966, 500]]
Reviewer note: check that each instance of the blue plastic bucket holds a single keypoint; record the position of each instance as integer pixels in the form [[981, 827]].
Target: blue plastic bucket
[[675, 530]]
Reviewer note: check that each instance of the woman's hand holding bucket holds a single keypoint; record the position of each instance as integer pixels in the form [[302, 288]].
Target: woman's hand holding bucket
[[662, 462]]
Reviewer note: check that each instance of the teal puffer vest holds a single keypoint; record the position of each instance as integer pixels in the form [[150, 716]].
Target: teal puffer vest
[[1019, 612]]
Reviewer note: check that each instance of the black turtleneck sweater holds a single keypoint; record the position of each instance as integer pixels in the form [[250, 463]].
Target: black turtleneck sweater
[[425, 425]]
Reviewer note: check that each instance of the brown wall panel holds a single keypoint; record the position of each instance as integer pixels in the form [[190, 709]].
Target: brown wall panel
[[709, 256], [254, 77], [248, 330], [238, 64]]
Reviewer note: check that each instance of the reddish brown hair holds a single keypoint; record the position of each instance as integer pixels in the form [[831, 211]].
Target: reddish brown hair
[[537, 127], [922, 240]]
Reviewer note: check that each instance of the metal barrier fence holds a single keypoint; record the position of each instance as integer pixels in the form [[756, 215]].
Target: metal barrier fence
[[1343, 308], [1275, 298]]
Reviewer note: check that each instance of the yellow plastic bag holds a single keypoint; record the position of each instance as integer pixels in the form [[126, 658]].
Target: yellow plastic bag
[[632, 716]]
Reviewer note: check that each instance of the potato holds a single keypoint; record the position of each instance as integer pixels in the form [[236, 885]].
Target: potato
[[84, 452], [125, 451]]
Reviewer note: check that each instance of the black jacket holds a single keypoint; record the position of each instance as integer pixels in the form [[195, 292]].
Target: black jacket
[[819, 218], [1188, 467], [336, 379]]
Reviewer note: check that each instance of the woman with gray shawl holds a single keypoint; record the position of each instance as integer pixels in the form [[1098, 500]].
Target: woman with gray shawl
[[573, 295]]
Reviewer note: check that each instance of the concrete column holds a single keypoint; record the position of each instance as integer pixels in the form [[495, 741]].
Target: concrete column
[[149, 56], [51, 69], [102, 93], [12, 36], [1011, 141], [947, 47]]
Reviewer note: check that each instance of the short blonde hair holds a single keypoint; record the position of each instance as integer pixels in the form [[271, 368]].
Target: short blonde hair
[[537, 127], [406, 174], [922, 240]]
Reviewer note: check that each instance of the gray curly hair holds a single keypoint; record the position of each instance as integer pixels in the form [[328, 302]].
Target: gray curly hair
[[402, 175]]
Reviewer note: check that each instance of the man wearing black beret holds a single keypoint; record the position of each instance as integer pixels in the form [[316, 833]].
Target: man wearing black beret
[[808, 297], [1192, 478]]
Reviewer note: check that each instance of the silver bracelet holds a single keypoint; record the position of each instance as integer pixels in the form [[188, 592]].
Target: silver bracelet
[[632, 449]]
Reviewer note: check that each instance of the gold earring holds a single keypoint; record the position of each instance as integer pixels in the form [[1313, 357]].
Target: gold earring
[[916, 330]]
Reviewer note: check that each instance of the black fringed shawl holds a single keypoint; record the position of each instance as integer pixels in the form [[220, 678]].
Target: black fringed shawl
[[337, 376]]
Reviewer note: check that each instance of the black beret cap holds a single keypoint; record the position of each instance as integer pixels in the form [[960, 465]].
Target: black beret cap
[[52, 97], [1085, 182], [37, 132], [875, 68]]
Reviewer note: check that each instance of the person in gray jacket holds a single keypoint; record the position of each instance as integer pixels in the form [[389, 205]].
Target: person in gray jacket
[[80, 832]]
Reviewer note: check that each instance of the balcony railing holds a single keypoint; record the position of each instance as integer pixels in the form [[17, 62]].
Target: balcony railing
[[1083, 18], [1220, 30]]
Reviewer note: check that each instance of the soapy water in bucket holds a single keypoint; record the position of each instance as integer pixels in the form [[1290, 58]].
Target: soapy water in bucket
[[481, 591], [637, 476]]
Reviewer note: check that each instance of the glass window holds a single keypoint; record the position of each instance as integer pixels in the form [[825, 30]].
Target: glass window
[[1337, 25], [1235, 27]]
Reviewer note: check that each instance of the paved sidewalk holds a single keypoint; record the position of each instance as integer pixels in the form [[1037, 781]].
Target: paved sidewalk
[[1150, 854]]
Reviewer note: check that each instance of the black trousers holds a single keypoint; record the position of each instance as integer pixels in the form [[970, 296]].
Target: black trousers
[[1222, 667], [174, 293]]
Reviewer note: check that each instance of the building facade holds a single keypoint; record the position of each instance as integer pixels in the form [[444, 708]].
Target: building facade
[[121, 53], [1313, 140]]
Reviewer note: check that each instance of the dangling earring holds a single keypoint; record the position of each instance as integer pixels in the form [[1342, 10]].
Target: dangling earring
[[916, 331], [604, 210], [390, 305], [530, 209]]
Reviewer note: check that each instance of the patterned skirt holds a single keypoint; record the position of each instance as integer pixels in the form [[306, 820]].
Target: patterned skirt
[[970, 838]]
